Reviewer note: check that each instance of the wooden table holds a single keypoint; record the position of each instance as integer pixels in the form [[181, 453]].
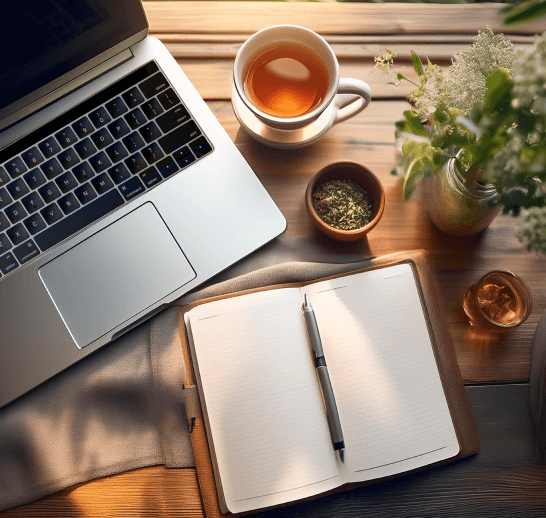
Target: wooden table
[[504, 479]]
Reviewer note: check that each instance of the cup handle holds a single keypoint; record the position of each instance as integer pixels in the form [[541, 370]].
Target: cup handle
[[349, 105]]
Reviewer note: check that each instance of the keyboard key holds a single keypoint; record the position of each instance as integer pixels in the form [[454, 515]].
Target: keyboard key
[[173, 118], [119, 173], [168, 99], [85, 193], [200, 147], [33, 157], [35, 224], [51, 168], [49, 192], [66, 137], [180, 136], [102, 138], [134, 142], [5, 243], [83, 172], [100, 162], [152, 153], [167, 167], [99, 117], [5, 198], [116, 107], [102, 183], [8, 263], [26, 252], [152, 108], [85, 148], [15, 212], [133, 97], [15, 167], [18, 188], [32, 202], [68, 203], [4, 223], [117, 152], [119, 128], [66, 182], [183, 157], [49, 147], [83, 127], [154, 85], [51, 213], [150, 177], [17, 234], [79, 220], [68, 158], [131, 188], [150, 132], [4, 178], [135, 118], [136, 163], [34, 178]]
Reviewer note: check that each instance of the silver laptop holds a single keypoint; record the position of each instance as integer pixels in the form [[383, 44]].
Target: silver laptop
[[119, 189]]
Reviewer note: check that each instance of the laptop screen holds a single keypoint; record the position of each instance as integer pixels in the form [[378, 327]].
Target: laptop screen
[[41, 40]]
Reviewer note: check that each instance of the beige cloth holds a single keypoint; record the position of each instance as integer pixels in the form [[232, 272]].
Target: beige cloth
[[120, 408]]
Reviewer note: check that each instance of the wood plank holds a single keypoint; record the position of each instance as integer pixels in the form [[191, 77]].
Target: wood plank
[[212, 78], [329, 18], [357, 39], [439, 53], [503, 481]]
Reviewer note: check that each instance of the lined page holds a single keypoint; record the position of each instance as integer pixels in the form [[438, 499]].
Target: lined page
[[263, 401], [392, 406]]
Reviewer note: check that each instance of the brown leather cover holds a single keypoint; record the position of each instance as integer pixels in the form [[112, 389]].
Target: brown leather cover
[[443, 349]]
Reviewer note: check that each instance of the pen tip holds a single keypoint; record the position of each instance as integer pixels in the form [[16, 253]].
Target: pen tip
[[342, 455], [306, 300]]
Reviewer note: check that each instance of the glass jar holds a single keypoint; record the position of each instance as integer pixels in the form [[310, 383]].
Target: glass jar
[[457, 205]]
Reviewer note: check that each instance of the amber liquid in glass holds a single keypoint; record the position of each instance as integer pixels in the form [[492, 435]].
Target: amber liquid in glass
[[286, 81], [498, 301]]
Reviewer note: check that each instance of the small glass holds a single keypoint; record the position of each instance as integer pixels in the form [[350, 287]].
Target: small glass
[[498, 302]]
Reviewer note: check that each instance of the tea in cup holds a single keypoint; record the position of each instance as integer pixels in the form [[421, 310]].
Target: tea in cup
[[286, 87]]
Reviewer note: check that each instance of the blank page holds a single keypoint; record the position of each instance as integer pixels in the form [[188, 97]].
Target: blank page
[[392, 406], [263, 402]]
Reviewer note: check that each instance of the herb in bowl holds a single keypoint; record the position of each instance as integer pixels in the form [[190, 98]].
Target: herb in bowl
[[342, 204]]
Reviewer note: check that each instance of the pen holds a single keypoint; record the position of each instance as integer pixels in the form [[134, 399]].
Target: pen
[[320, 363]]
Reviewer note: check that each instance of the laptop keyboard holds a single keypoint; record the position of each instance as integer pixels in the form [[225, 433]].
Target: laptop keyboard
[[114, 146]]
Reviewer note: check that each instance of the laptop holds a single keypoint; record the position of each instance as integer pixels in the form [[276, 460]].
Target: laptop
[[119, 189]]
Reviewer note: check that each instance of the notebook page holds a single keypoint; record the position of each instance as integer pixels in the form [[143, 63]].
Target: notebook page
[[267, 420], [392, 406]]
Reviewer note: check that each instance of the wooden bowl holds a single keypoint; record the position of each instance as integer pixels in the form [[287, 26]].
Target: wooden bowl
[[361, 175]]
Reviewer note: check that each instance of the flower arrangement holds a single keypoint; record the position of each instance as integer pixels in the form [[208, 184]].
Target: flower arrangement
[[489, 110]]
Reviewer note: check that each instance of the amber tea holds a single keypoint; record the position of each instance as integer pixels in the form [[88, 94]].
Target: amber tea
[[286, 81], [498, 301]]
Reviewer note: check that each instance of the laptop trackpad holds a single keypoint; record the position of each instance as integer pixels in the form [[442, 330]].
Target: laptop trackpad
[[115, 274]]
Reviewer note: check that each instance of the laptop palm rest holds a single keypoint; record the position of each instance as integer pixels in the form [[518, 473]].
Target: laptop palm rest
[[115, 274]]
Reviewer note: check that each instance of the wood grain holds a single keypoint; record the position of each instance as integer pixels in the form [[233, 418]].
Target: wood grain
[[329, 18]]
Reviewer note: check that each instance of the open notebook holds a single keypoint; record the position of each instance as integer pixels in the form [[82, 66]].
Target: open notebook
[[262, 403]]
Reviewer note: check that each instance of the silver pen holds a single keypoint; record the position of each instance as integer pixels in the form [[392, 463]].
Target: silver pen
[[320, 363]]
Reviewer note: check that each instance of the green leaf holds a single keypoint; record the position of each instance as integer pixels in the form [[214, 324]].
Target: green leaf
[[524, 12], [414, 174], [417, 64], [498, 89], [413, 124]]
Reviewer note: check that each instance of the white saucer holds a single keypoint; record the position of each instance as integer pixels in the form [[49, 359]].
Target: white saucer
[[285, 139]]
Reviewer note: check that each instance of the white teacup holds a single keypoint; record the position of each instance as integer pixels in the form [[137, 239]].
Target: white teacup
[[297, 131]]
